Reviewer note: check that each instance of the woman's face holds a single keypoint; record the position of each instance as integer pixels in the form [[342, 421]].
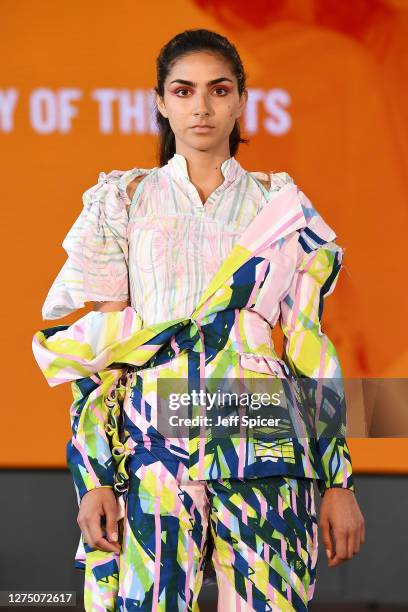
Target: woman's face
[[201, 89]]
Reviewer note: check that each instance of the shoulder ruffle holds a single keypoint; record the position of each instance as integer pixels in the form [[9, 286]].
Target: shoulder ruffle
[[97, 265]]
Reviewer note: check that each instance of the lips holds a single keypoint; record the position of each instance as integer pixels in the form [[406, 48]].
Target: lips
[[202, 129]]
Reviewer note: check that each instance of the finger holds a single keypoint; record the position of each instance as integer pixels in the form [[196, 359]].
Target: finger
[[326, 537], [111, 514], [352, 543], [97, 539], [335, 560], [362, 533], [341, 547], [85, 534], [357, 539]]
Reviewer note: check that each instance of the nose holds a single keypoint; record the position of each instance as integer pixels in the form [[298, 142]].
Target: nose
[[202, 106]]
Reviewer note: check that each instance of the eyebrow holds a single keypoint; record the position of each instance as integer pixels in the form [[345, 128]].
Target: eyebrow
[[213, 82]]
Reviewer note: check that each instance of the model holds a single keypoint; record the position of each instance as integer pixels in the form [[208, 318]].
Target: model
[[189, 266]]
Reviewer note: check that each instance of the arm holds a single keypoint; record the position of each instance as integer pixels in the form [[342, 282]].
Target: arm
[[95, 271], [101, 500], [79, 353], [110, 306], [95, 494], [310, 353]]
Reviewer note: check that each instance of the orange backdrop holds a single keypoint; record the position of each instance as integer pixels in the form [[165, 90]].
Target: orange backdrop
[[328, 104]]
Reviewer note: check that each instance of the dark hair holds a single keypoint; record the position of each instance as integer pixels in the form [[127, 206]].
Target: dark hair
[[187, 42]]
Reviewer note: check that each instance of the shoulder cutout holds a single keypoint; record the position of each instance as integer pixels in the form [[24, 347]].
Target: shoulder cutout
[[132, 186], [264, 178], [272, 181], [266, 182], [279, 179]]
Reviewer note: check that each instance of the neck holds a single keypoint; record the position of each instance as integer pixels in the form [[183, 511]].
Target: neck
[[204, 166]]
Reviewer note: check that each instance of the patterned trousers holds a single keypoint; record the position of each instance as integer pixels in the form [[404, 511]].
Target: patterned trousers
[[262, 532]]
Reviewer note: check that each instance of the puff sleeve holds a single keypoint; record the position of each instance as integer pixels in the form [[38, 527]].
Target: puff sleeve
[[96, 268], [308, 351]]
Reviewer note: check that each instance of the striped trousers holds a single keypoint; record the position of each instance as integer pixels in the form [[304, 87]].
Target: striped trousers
[[262, 532]]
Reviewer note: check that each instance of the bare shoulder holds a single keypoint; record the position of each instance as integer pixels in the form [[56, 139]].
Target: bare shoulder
[[111, 306], [132, 186], [273, 181], [264, 178]]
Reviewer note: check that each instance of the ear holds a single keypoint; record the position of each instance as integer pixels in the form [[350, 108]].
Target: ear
[[242, 103], [160, 105]]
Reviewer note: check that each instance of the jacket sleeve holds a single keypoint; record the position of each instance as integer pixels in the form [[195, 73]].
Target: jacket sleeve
[[95, 453], [87, 354], [309, 352], [96, 268]]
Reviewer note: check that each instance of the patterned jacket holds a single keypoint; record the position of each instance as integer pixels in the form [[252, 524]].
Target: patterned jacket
[[280, 270]]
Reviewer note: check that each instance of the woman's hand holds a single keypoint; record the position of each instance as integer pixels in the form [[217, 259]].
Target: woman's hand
[[340, 517], [95, 504]]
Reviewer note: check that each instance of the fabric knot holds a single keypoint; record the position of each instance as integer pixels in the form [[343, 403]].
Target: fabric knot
[[196, 335], [190, 336]]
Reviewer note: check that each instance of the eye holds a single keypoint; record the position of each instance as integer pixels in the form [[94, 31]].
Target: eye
[[181, 89], [222, 89]]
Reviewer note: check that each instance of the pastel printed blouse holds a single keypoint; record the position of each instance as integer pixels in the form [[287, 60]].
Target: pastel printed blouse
[[160, 250]]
